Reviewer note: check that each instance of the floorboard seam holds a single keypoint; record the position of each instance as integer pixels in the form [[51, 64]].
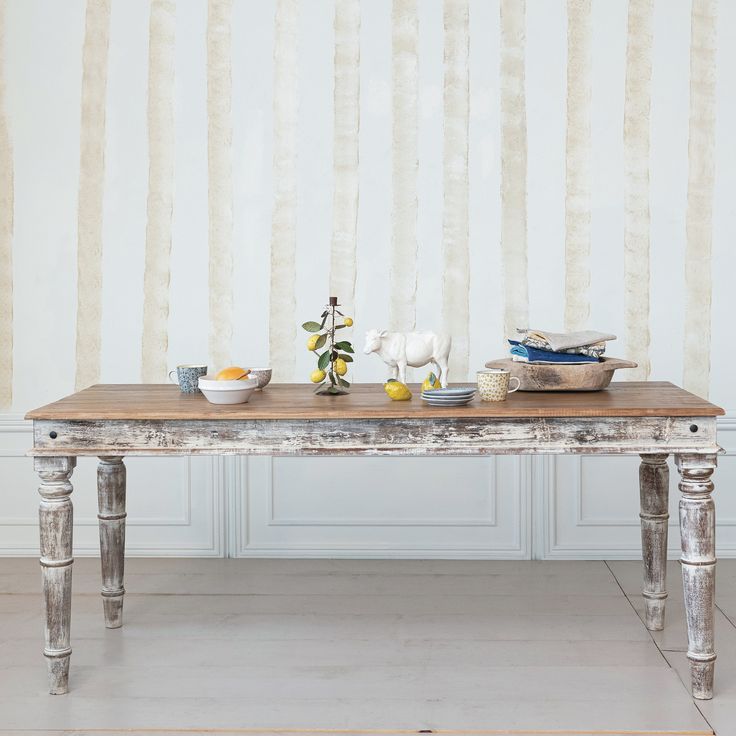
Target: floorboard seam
[[662, 650], [636, 613], [728, 618]]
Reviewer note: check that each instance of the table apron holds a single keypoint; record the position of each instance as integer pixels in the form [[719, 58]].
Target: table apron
[[432, 436]]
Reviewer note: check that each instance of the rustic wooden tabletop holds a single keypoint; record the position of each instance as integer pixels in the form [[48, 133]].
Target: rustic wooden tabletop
[[298, 401]]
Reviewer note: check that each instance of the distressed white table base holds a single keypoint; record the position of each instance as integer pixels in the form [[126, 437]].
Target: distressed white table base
[[654, 490], [698, 536], [697, 529], [56, 523], [111, 515]]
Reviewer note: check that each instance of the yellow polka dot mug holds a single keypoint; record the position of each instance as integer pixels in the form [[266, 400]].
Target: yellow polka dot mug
[[493, 384]]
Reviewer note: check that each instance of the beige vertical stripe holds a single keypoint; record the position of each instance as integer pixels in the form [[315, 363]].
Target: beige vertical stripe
[[636, 185], [698, 217], [456, 282], [220, 181], [91, 185], [513, 167], [404, 152], [6, 238], [345, 152], [577, 166], [160, 190], [282, 311]]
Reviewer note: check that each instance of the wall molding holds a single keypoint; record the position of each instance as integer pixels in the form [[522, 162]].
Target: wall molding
[[491, 521], [244, 546]]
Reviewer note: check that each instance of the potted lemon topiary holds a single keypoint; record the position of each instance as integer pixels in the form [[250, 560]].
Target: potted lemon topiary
[[332, 362]]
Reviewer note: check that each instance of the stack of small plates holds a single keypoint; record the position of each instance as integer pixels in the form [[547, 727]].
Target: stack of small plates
[[456, 396]]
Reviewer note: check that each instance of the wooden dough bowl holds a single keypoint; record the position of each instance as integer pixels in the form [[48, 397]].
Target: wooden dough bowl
[[546, 377]]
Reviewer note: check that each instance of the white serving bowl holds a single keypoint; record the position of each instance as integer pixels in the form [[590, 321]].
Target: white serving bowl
[[227, 392]]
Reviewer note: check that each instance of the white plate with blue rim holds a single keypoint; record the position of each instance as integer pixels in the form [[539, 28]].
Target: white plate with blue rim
[[450, 391], [454, 402], [448, 397]]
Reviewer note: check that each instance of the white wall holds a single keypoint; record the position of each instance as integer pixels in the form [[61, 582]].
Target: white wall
[[512, 507]]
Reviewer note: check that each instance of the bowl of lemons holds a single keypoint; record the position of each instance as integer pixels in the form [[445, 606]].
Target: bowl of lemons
[[232, 385]]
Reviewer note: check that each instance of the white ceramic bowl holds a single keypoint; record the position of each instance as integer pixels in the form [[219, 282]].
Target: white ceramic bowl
[[227, 392], [262, 375]]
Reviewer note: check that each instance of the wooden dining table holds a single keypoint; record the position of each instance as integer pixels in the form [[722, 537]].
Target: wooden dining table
[[650, 419]]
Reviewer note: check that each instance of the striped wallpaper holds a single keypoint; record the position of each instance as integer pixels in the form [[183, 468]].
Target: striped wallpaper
[[186, 182]]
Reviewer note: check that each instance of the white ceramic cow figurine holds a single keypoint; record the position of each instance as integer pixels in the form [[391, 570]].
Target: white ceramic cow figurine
[[400, 349]]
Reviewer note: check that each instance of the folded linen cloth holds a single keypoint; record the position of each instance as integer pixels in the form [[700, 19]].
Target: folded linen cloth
[[594, 351], [559, 341], [528, 354]]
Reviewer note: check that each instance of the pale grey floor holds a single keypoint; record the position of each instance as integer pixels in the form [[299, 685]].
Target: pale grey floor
[[271, 645]]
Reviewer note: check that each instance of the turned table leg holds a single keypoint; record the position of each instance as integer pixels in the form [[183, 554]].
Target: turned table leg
[[698, 533], [55, 523], [111, 503], [654, 479]]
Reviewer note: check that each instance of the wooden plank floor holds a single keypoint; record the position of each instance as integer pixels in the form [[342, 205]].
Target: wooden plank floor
[[365, 646]]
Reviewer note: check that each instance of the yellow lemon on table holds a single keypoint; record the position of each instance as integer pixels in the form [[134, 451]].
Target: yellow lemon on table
[[233, 373], [317, 376], [312, 342], [348, 321], [341, 367], [397, 391], [431, 382]]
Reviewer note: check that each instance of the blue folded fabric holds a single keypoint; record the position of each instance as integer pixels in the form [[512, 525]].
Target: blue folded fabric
[[535, 355]]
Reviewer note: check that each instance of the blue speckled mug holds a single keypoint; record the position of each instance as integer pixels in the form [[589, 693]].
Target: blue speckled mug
[[188, 377]]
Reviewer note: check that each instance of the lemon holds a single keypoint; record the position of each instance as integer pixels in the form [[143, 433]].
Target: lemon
[[233, 373], [348, 321], [397, 391], [312, 342], [341, 367], [431, 382], [317, 376]]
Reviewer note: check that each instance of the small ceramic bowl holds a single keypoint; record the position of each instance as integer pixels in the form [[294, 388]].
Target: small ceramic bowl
[[262, 375], [227, 392]]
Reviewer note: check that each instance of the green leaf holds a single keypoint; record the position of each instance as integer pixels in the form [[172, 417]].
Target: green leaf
[[332, 378], [431, 378], [312, 326], [343, 382], [324, 360], [321, 340], [322, 323], [346, 358], [344, 345], [339, 327]]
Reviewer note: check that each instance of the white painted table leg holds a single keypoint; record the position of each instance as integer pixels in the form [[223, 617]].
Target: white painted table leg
[[111, 503], [654, 479], [698, 533], [55, 522]]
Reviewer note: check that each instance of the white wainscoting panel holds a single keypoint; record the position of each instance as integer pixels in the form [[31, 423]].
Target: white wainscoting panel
[[589, 505], [373, 507], [175, 505]]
